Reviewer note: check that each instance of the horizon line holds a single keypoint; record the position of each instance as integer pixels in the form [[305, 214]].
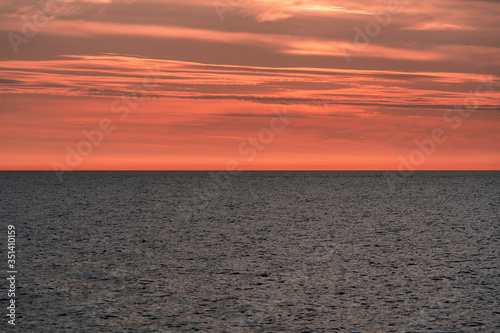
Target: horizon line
[[269, 170]]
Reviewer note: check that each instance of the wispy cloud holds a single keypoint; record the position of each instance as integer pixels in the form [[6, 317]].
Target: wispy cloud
[[112, 75], [219, 81], [439, 26]]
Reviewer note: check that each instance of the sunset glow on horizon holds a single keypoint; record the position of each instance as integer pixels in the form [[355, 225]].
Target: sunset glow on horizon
[[263, 85]]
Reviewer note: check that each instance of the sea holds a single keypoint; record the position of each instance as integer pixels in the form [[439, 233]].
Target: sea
[[268, 251]]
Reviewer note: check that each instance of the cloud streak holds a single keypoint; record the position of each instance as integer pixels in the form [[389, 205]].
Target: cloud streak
[[219, 81]]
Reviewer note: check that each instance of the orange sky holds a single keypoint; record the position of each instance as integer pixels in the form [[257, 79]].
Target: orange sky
[[182, 85]]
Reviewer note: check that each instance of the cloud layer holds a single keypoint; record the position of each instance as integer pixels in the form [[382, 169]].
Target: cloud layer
[[361, 86]]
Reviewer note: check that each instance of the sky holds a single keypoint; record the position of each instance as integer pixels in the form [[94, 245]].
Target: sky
[[252, 85]]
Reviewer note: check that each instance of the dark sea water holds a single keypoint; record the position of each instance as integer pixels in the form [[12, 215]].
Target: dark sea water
[[257, 252]]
